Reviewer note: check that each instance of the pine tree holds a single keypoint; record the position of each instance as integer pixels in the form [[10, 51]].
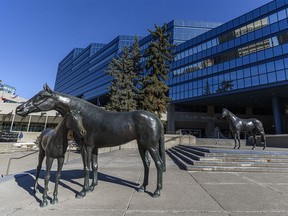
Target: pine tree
[[159, 55], [122, 96], [137, 70]]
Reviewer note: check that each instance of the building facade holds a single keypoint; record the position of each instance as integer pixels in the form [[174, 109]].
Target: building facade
[[82, 72], [241, 65]]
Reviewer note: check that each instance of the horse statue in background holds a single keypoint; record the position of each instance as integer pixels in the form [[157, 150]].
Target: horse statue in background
[[238, 125], [53, 144], [106, 129]]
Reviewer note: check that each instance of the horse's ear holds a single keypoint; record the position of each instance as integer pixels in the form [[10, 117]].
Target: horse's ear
[[47, 88]]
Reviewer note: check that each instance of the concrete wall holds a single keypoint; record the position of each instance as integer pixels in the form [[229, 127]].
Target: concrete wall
[[272, 140], [170, 141]]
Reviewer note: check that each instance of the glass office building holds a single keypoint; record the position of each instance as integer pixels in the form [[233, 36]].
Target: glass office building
[[241, 65], [82, 72]]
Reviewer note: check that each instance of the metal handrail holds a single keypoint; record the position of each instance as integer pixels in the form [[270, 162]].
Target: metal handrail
[[17, 158]]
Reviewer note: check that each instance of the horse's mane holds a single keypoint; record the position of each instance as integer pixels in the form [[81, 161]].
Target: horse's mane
[[78, 103]]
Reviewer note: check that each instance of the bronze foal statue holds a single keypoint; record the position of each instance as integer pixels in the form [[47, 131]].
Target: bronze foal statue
[[53, 144]]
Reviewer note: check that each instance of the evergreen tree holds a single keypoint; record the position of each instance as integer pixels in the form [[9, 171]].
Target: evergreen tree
[[122, 96], [159, 56], [137, 70]]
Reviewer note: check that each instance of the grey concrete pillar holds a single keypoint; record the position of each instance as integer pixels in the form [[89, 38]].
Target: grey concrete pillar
[[171, 118]]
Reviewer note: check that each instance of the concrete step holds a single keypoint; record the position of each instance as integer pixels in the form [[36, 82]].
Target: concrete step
[[190, 159], [236, 153], [228, 150], [235, 169]]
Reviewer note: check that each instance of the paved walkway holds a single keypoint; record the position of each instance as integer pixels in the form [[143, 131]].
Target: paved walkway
[[184, 193]]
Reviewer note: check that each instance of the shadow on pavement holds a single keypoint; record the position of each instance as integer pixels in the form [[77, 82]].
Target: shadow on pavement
[[26, 181]]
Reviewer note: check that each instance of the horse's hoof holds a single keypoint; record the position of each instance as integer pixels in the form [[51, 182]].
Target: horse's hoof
[[91, 188], [263, 148], [238, 147], [54, 201], [156, 194], [44, 203], [141, 189], [80, 195]]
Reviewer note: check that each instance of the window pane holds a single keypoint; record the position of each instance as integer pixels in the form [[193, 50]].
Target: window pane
[[280, 75], [273, 18], [263, 79], [271, 77]]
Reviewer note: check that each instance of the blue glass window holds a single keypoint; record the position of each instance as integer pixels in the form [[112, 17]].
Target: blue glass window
[[247, 82], [272, 18], [279, 65], [254, 70], [270, 66], [255, 80], [269, 53], [240, 83], [286, 62], [239, 74], [263, 79], [233, 75], [281, 14], [280, 75], [247, 72], [271, 77]]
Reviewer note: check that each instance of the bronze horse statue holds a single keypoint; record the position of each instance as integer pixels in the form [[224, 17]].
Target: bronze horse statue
[[238, 125], [53, 144], [106, 129]]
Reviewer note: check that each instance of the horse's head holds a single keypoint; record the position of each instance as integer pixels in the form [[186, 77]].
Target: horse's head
[[74, 121], [225, 113], [43, 101]]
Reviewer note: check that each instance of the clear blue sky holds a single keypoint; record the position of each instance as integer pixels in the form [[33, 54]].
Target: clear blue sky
[[35, 35]]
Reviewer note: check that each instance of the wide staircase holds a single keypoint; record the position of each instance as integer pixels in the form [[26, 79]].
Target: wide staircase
[[226, 159]]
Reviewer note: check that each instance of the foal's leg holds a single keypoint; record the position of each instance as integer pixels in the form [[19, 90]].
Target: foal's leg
[[86, 158], [49, 162], [146, 162], [94, 169], [159, 165], [57, 178], [39, 166]]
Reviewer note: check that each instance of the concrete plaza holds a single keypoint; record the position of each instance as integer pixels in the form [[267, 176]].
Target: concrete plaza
[[121, 172]]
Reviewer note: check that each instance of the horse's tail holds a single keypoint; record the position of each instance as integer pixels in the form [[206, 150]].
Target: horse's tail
[[162, 149]]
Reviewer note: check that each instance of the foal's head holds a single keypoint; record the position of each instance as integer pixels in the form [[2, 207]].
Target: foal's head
[[74, 121]]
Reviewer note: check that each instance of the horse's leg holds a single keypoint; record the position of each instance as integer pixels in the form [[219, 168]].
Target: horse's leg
[[235, 139], [159, 165], [39, 166], [238, 137], [94, 169], [254, 139], [49, 162], [57, 178], [263, 139], [86, 158], [146, 162]]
